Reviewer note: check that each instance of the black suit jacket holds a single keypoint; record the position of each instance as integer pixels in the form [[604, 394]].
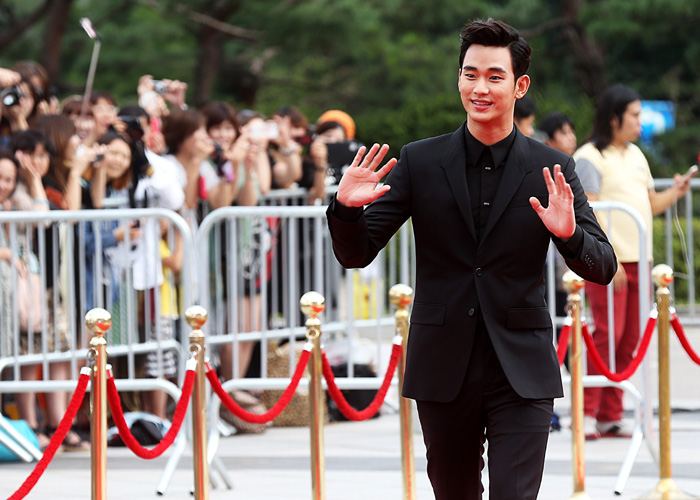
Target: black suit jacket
[[503, 274]]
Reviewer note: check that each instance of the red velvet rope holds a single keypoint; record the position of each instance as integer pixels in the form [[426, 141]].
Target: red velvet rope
[[56, 439], [629, 371], [276, 409], [124, 431], [563, 343], [678, 328], [344, 407]]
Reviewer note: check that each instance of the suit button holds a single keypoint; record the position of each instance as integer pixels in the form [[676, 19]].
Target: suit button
[[479, 271], [471, 312]]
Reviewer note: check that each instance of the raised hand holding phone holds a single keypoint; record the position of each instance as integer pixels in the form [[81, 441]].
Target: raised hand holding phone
[[358, 186]]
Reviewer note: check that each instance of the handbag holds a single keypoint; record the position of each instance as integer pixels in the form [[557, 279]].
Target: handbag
[[29, 301]]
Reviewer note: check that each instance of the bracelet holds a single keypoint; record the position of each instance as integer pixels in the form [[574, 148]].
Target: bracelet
[[288, 151], [41, 202]]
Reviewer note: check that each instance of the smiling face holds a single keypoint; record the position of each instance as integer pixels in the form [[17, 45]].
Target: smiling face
[[488, 89], [117, 159], [223, 133]]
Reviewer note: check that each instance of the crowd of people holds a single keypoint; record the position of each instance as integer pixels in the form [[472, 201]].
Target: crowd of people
[[78, 153], [90, 153]]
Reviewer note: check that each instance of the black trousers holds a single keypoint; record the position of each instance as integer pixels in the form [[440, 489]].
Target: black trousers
[[487, 409]]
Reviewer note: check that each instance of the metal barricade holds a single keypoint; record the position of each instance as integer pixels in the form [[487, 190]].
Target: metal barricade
[[75, 253], [642, 399], [267, 257]]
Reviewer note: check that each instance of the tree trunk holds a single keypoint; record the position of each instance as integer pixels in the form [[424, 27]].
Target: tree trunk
[[588, 60], [209, 44], [55, 28]]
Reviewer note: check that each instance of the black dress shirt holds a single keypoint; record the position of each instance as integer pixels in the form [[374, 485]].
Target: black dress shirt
[[484, 172]]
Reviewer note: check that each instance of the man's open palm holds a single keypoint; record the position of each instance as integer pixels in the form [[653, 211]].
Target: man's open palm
[[559, 216], [358, 186]]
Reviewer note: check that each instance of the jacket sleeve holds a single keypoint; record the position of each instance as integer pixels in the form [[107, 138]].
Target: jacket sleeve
[[588, 252], [359, 234]]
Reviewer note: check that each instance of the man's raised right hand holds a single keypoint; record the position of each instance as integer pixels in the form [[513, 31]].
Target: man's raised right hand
[[358, 186]]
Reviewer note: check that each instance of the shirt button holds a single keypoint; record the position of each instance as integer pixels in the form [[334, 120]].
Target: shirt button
[[471, 312], [479, 271]]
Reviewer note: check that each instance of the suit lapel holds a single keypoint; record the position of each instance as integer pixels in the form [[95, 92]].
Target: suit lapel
[[454, 163], [516, 168]]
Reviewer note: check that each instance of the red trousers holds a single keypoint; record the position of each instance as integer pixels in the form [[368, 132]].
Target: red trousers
[[605, 403]]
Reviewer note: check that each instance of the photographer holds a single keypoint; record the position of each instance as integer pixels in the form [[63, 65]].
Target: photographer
[[104, 114], [157, 183], [16, 107], [41, 98]]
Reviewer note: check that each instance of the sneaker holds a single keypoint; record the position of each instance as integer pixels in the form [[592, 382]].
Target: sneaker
[[590, 428], [618, 429]]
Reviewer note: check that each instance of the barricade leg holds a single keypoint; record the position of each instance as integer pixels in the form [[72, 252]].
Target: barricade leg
[[573, 284], [313, 304], [666, 488], [17, 444], [196, 317], [98, 321], [401, 297]]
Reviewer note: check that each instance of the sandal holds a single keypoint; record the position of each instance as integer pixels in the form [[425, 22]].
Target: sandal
[[72, 441], [42, 438]]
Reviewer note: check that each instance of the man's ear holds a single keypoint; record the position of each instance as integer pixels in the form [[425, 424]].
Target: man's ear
[[521, 86]]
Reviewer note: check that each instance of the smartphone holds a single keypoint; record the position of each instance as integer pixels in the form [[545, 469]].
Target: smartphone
[[264, 130], [690, 173]]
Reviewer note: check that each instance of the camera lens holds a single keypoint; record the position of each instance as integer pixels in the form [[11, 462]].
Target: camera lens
[[10, 96], [160, 87]]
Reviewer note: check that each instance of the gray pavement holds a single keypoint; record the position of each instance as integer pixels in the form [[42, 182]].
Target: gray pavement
[[363, 458], [363, 462]]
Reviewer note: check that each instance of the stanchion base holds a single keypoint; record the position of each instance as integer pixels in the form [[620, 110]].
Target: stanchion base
[[580, 496], [666, 489]]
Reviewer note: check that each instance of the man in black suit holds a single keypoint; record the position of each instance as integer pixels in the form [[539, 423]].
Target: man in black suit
[[481, 363]]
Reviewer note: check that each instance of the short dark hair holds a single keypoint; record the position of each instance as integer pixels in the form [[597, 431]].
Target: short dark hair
[[524, 107], [217, 112], [296, 117], [552, 122], [330, 125], [492, 33], [179, 125], [135, 111], [27, 141], [612, 103]]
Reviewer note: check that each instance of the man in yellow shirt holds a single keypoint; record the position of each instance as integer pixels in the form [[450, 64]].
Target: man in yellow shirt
[[611, 168]]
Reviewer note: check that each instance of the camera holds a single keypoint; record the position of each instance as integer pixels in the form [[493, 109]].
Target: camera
[[134, 130], [160, 87], [217, 156], [10, 96]]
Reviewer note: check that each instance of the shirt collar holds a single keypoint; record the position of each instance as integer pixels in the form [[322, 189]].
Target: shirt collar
[[499, 151]]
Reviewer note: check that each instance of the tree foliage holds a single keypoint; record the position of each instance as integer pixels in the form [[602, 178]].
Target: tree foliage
[[392, 64]]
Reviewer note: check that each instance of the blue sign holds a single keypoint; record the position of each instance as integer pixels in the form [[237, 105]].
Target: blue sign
[[657, 117]]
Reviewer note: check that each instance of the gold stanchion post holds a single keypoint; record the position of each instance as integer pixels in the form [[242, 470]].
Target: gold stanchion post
[[666, 488], [401, 297], [573, 283], [313, 304], [196, 316], [98, 321]]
